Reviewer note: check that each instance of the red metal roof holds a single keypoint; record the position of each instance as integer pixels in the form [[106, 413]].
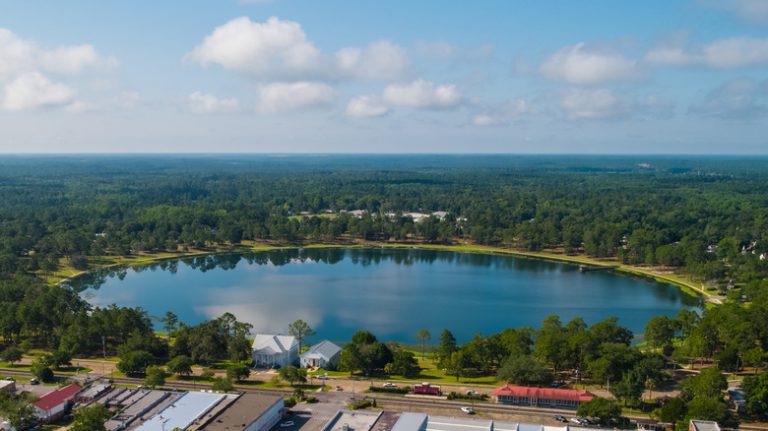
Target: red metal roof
[[543, 393], [55, 398]]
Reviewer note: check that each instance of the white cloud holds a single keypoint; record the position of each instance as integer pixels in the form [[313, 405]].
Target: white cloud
[[270, 49], [737, 99], [579, 64], [366, 106], [749, 10], [288, 96], [592, 105], [33, 90], [276, 50], [380, 60], [721, 54], [422, 94], [486, 120], [201, 103], [26, 70]]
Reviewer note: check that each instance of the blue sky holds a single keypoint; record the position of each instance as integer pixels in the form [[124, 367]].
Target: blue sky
[[281, 76]]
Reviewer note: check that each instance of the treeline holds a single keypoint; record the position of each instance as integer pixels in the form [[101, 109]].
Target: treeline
[[705, 216]]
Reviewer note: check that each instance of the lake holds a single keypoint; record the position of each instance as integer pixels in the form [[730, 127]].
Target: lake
[[391, 292]]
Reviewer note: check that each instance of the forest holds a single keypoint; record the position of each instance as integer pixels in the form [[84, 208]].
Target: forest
[[706, 218]]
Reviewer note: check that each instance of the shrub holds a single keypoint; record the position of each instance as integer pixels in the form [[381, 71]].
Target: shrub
[[290, 402], [397, 390], [472, 397]]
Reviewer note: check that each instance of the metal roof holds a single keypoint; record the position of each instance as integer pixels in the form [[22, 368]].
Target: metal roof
[[57, 397], [183, 412], [271, 344], [411, 422], [324, 349]]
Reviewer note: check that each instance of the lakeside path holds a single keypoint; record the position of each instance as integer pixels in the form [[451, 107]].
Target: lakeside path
[[664, 275]]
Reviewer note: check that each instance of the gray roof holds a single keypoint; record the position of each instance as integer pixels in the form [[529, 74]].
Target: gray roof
[[324, 349], [273, 344], [705, 425], [410, 422], [244, 411]]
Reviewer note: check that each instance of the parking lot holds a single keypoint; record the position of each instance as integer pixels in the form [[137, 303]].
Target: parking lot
[[312, 417]]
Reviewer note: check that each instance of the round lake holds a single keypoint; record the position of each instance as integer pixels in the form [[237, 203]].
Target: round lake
[[393, 293]]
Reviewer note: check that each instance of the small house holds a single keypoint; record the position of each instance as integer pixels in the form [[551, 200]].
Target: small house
[[53, 405], [275, 350], [321, 355]]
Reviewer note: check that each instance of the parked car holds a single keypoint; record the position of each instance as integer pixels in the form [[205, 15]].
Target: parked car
[[10, 379], [575, 420], [471, 392], [468, 410], [287, 424], [559, 418], [34, 382], [339, 388], [389, 385]]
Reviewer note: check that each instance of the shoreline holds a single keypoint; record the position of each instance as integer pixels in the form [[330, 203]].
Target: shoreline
[[686, 286]]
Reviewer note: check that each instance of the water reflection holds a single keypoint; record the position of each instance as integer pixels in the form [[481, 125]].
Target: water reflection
[[393, 292]]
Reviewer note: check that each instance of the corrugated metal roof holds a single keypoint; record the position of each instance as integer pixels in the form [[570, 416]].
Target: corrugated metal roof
[[271, 344], [57, 397], [411, 422], [324, 349], [182, 412]]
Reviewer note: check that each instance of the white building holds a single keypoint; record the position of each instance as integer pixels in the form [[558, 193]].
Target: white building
[[55, 404], [321, 355], [271, 350]]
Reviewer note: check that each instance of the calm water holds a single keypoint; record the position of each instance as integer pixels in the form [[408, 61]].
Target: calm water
[[393, 293]]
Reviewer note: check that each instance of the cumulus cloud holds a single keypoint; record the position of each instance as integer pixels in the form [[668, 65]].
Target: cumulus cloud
[[268, 49], [288, 96], [26, 71], [381, 60], [202, 103], [422, 94], [33, 90], [725, 53], [484, 120], [737, 99], [366, 106], [592, 105], [279, 49], [580, 64]]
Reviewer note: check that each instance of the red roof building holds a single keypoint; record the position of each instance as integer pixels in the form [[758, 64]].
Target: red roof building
[[54, 404], [541, 397]]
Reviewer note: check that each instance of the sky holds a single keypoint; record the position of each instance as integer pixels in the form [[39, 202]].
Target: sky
[[332, 76]]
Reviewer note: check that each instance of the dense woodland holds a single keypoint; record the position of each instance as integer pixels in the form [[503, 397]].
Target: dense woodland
[[707, 218]]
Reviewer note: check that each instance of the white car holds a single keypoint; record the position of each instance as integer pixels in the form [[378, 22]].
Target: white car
[[468, 410], [389, 385]]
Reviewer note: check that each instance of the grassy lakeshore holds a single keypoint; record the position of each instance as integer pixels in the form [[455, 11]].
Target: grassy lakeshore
[[67, 272]]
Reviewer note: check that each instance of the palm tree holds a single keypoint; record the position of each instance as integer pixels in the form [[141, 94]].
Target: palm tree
[[424, 336]]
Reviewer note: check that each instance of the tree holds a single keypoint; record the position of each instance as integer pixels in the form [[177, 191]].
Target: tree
[[457, 364], [17, 411], [155, 376], [630, 388], [710, 382], [756, 394], [238, 371], [671, 411], [365, 353], [710, 409], [41, 370], [603, 409], [446, 348], [292, 374], [221, 384], [525, 370], [134, 363], [169, 321], [424, 336], [300, 329], [403, 364], [659, 331], [59, 358], [181, 365], [90, 418], [11, 354]]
